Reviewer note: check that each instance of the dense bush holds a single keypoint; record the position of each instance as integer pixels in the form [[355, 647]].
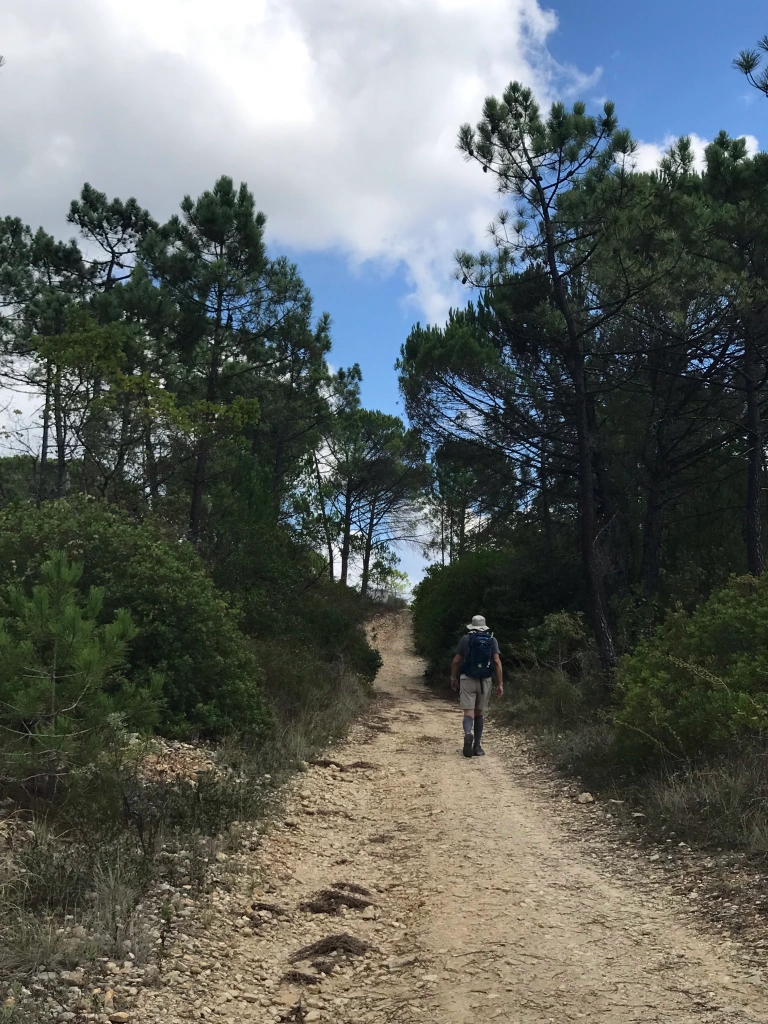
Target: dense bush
[[187, 631], [555, 673], [515, 589], [287, 601], [700, 680]]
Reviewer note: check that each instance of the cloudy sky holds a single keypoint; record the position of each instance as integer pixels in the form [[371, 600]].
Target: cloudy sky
[[342, 116]]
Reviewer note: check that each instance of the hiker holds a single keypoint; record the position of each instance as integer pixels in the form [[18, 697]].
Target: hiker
[[478, 658]]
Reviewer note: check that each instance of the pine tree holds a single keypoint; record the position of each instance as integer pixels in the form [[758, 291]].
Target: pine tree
[[62, 682], [749, 62]]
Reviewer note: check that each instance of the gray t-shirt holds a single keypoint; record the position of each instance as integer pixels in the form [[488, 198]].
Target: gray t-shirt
[[463, 648]]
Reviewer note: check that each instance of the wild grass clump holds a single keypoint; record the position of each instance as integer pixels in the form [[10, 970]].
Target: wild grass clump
[[65, 900], [723, 803], [313, 705]]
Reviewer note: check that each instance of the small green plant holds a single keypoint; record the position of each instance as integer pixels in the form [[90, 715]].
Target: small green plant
[[62, 682]]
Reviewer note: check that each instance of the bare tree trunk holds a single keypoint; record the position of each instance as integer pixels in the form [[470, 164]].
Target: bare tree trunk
[[62, 482], [368, 550], [346, 539], [42, 489], [324, 515]]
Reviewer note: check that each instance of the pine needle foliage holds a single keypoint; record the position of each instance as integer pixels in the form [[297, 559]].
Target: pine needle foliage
[[63, 688]]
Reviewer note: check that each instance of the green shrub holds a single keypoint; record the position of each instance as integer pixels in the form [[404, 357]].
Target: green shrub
[[700, 680], [187, 631], [554, 673], [286, 598], [514, 588]]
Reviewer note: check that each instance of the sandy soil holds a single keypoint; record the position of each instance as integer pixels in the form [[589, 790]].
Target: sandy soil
[[485, 905]]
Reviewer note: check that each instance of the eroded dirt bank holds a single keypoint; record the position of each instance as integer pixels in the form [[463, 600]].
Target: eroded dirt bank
[[476, 900]]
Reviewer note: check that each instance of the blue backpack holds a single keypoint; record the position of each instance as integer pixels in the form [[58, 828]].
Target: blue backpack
[[479, 660]]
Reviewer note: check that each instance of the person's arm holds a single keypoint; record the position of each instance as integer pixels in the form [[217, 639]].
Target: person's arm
[[455, 665], [497, 667]]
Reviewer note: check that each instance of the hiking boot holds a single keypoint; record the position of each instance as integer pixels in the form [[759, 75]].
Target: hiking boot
[[467, 746], [478, 751]]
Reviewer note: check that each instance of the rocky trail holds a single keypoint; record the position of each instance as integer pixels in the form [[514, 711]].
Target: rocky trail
[[406, 883]]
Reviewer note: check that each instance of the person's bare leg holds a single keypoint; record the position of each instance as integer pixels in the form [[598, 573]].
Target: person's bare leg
[[468, 723], [479, 722]]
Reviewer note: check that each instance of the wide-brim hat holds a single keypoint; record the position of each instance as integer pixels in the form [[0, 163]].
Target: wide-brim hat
[[478, 623]]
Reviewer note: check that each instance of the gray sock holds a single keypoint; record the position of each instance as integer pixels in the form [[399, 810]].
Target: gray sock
[[479, 723], [467, 723]]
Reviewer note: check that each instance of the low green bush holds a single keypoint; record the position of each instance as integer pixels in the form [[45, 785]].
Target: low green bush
[[186, 629], [514, 588], [700, 681], [553, 673]]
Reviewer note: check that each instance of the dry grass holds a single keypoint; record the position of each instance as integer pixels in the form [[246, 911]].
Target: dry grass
[[73, 887], [723, 804]]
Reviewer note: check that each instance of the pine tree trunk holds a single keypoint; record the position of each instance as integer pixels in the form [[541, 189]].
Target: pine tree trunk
[[91, 440], [125, 443], [200, 479], [42, 489], [590, 556], [367, 552], [546, 518], [653, 534], [324, 516], [753, 512], [597, 604], [442, 531], [278, 466], [150, 461], [346, 541], [198, 490], [62, 480]]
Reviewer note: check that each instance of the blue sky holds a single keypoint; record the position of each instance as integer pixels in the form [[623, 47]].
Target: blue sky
[[666, 65]]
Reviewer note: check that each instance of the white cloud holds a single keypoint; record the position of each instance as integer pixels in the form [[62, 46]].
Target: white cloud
[[341, 115]]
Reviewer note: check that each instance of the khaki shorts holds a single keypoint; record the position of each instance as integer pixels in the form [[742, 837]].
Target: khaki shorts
[[474, 693]]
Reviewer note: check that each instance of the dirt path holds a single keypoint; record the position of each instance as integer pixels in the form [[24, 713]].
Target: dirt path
[[484, 907]]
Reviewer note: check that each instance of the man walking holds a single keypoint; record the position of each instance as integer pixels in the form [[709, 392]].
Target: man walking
[[477, 656]]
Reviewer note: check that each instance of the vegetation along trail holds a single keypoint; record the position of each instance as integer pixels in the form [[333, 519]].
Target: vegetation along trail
[[469, 901]]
